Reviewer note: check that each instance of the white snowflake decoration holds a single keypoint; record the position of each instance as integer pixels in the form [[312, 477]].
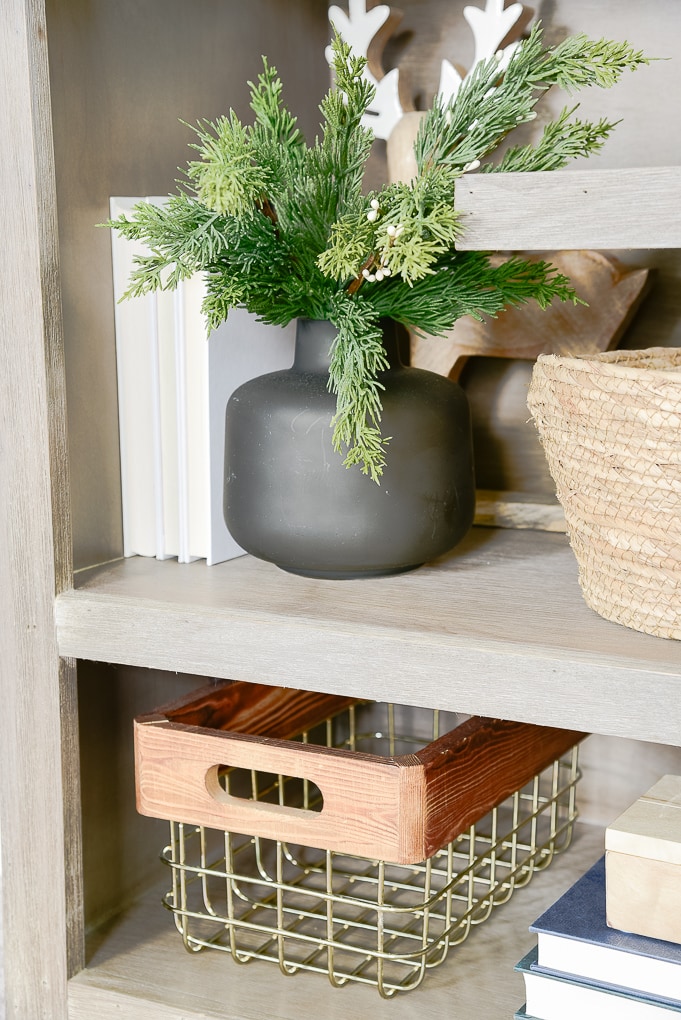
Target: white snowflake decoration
[[359, 27]]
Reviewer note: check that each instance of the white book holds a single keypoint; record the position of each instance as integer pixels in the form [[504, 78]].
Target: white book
[[136, 327], [209, 369], [561, 996], [174, 382], [167, 372], [193, 438]]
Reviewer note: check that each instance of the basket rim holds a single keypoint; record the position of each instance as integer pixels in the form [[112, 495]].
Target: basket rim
[[631, 364]]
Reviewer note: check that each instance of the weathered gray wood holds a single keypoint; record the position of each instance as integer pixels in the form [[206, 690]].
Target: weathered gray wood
[[518, 510], [499, 627], [109, 699], [73, 841], [34, 537], [571, 209]]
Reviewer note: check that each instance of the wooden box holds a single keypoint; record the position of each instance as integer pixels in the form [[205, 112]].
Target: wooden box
[[395, 807], [643, 864]]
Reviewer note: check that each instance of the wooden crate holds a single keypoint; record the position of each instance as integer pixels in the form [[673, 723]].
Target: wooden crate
[[395, 807]]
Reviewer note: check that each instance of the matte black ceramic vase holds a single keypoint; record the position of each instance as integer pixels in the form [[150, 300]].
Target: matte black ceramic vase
[[290, 500]]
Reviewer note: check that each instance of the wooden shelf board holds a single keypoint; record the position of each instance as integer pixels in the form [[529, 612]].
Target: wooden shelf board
[[139, 969], [571, 209], [498, 627]]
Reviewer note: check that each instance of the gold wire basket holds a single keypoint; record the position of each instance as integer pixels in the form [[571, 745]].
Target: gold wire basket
[[350, 917]]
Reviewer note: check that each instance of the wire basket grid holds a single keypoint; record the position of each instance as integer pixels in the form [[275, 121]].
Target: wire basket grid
[[349, 917]]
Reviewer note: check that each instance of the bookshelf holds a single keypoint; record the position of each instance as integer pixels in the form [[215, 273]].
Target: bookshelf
[[544, 655], [90, 104]]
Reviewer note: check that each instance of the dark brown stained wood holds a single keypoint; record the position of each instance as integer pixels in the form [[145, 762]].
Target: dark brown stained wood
[[254, 708], [486, 762]]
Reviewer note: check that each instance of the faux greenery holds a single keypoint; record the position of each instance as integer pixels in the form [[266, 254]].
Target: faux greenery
[[285, 229]]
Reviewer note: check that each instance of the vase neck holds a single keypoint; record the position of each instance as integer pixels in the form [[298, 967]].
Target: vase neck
[[315, 338], [314, 342]]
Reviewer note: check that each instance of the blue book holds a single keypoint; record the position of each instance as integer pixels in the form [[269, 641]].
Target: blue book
[[554, 996], [573, 938]]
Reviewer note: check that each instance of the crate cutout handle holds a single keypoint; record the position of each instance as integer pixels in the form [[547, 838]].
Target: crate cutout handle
[[178, 776], [225, 782]]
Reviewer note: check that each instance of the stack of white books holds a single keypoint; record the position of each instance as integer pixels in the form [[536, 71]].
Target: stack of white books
[[174, 381], [582, 968]]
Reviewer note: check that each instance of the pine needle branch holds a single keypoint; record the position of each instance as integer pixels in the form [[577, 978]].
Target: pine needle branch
[[358, 356], [579, 62], [469, 283], [227, 178], [562, 141], [273, 121], [285, 229], [492, 102]]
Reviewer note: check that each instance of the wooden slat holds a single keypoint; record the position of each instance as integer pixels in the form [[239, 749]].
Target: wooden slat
[[258, 709], [517, 510], [499, 628], [401, 809], [177, 778], [34, 547], [629, 208], [611, 294], [476, 767]]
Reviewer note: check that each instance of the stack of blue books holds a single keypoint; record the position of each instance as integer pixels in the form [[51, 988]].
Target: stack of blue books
[[582, 968]]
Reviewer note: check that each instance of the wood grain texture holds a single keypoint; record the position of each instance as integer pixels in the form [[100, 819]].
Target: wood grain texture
[[478, 765], [177, 778], [612, 294], [507, 451], [34, 540], [517, 510], [400, 809], [257, 709], [628, 208], [498, 628], [643, 895], [186, 67], [72, 804], [137, 969], [109, 698]]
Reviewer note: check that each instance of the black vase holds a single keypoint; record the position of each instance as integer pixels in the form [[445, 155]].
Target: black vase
[[290, 500]]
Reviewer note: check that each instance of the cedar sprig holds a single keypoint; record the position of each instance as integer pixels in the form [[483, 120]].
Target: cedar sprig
[[357, 358], [579, 62], [470, 283], [285, 229], [185, 238], [562, 141], [492, 101]]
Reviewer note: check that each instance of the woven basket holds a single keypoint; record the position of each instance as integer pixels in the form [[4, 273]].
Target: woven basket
[[610, 425]]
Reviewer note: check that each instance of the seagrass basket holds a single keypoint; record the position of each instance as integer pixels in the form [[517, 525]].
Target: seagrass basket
[[610, 425]]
